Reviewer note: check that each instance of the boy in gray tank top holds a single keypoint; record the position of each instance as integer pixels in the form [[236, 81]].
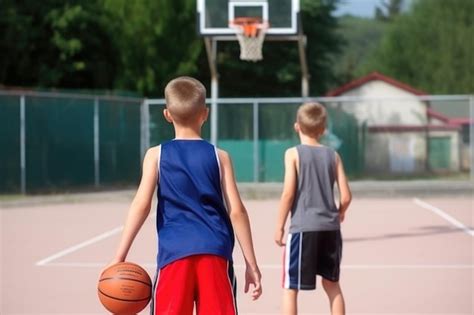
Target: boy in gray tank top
[[314, 243]]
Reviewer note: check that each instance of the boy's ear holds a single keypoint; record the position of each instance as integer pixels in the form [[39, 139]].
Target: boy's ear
[[206, 114], [297, 127], [167, 115]]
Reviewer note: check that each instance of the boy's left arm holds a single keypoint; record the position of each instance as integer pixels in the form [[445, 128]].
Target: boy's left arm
[[140, 207], [241, 224], [288, 194]]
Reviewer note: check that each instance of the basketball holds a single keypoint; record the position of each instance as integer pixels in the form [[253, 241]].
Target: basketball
[[124, 288]]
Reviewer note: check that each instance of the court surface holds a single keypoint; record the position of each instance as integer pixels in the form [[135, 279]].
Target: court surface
[[403, 255]]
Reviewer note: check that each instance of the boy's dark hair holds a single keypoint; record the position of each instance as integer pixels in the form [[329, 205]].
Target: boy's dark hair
[[311, 117], [185, 96]]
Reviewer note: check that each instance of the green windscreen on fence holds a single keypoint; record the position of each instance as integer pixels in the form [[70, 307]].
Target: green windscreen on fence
[[119, 138], [59, 143], [346, 135], [10, 171], [276, 134], [235, 130], [65, 133], [161, 130]]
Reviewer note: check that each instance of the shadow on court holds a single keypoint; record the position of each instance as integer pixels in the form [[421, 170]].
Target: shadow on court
[[422, 231]]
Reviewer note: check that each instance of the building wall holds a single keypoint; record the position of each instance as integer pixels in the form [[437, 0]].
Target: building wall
[[408, 111], [406, 152], [395, 153]]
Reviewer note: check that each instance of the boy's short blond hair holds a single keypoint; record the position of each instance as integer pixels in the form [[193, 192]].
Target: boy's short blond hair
[[311, 118], [185, 97]]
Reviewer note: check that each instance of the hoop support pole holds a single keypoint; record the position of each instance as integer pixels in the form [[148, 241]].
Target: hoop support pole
[[211, 50], [304, 66]]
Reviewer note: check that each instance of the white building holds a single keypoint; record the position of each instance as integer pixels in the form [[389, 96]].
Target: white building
[[404, 134]]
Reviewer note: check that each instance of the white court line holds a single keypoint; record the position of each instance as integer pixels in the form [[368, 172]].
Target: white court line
[[444, 215], [91, 241], [278, 266], [74, 248]]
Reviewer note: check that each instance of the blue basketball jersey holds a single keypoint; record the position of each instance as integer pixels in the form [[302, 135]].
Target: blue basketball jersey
[[191, 216]]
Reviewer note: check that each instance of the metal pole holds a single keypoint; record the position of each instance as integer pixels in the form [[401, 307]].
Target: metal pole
[[22, 146], [471, 135], [211, 49], [304, 87], [214, 109], [304, 67], [96, 144], [145, 127], [256, 161]]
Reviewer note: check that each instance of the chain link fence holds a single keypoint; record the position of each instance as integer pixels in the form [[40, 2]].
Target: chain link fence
[[60, 142]]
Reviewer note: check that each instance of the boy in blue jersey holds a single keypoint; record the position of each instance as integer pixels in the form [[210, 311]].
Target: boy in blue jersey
[[314, 242], [198, 211]]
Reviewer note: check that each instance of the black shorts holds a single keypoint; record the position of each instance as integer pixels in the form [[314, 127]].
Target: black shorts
[[308, 254]]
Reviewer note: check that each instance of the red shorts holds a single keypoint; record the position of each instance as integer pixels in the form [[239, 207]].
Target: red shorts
[[205, 280]]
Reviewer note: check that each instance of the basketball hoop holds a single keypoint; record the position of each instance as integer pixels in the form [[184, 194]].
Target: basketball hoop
[[250, 33]]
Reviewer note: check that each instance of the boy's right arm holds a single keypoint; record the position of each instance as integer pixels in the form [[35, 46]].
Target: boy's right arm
[[140, 207], [288, 194], [345, 195], [241, 224]]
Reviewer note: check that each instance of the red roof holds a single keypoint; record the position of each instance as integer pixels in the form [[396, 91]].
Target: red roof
[[413, 128], [432, 113], [457, 121], [461, 121], [374, 76]]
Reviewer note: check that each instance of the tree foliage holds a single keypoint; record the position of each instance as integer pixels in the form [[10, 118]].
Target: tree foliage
[[361, 37], [388, 10], [57, 44], [430, 47], [141, 45], [157, 42]]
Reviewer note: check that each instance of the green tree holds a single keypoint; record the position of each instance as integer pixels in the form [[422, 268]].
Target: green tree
[[141, 45], [57, 44], [157, 42], [430, 47], [388, 10], [361, 37]]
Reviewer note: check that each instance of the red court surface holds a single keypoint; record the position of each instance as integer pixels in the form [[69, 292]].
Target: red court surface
[[401, 256]]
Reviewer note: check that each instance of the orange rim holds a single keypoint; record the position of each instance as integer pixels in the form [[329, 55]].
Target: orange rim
[[246, 20], [249, 25]]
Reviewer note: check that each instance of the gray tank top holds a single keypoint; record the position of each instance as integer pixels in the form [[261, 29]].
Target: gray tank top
[[314, 208]]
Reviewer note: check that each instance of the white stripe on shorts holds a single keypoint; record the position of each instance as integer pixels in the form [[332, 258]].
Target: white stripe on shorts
[[287, 262]]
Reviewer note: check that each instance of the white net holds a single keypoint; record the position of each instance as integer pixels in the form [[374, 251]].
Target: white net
[[251, 47]]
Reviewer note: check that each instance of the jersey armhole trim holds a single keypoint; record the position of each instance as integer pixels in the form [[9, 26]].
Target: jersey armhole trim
[[297, 163], [158, 159], [221, 178], [218, 163]]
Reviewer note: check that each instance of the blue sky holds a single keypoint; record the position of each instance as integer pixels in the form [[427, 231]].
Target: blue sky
[[363, 8]]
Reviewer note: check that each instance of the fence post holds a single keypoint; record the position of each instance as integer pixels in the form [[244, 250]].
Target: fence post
[[256, 156], [471, 135], [96, 143], [22, 145], [214, 110], [145, 127]]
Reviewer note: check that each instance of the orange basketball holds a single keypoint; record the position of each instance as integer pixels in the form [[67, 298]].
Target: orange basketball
[[124, 288]]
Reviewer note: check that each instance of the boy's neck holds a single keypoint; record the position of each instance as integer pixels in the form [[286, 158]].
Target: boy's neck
[[307, 140], [186, 132]]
